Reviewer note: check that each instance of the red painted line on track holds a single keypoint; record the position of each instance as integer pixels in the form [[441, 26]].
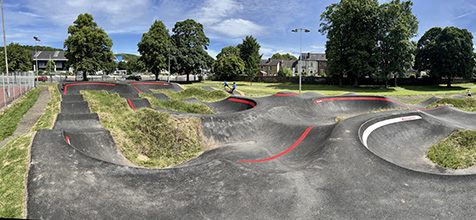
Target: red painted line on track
[[68, 140], [373, 98], [137, 89], [130, 104], [242, 101], [75, 84], [284, 152], [289, 94], [149, 83]]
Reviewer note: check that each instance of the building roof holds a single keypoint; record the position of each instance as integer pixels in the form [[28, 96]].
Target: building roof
[[269, 62], [314, 56], [289, 63], [47, 55]]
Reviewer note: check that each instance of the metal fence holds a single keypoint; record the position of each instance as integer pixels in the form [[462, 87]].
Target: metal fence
[[15, 85]]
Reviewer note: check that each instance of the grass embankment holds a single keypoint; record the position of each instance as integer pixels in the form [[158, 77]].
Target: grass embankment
[[11, 117], [146, 137], [176, 104], [459, 149], [14, 162]]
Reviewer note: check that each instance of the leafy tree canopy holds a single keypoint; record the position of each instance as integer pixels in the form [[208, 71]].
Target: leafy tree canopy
[[19, 58], [446, 53], [88, 47], [227, 51], [154, 48], [249, 53], [229, 66], [190, 44], [285, 72]]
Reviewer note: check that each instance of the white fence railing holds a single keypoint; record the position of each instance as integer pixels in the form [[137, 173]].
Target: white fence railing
[[15, 85]]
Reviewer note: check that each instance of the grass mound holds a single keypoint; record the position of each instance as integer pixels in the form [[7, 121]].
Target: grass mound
[[146, 137], [195, 92], [177, 105], [10, 118], [466, 104], [456, 151]]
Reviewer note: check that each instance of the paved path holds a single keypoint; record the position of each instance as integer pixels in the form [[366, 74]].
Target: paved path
[[30, 118]]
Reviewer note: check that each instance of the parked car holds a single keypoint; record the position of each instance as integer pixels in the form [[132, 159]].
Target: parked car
[[41, 78], [134, 77]]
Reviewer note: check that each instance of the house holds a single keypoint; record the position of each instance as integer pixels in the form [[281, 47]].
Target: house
[[42, 58], [314, 64]]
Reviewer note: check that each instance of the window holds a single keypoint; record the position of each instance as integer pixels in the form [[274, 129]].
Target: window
[[59, 65]]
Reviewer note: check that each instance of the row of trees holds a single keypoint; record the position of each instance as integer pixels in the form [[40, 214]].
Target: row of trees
[[366, 39]]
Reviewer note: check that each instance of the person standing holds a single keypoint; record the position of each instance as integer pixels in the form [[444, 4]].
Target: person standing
[[469, 93], [226, 85]]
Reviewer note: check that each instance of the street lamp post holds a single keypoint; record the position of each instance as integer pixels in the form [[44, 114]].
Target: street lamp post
[[168, 48], [300, 52], [36, 59]]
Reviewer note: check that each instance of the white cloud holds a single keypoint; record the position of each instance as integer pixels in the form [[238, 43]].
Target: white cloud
[[236, 28], [214, 11]]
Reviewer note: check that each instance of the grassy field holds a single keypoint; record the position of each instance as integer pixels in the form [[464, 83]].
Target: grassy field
[[456, 151]]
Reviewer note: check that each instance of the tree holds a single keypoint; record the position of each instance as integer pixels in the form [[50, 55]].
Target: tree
[[227, 51], [122, 65], [19, 58], [447, 53], [286, 56], [229, 66], [352, 33], [154, 48], [397, 25], [249, 53], [50, 66], [285, 72], [88, 48], [110, 67], [190, 44], [135, 64]]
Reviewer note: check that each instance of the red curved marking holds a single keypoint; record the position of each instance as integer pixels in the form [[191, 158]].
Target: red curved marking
[[149, 83], [130, 104], [284, 152], [75, 84], [374, 98], [137, 89], [290, 94], [68, 140], [242, 101]]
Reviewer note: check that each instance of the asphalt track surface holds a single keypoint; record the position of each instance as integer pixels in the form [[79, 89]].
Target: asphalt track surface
[[279, 157]]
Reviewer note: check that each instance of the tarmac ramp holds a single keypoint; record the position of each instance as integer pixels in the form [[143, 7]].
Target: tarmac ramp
[[280, 157]]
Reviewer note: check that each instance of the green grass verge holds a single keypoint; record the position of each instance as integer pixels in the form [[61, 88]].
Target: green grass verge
[[47, 120], [13, 169], [10, 118], [146, 137], [456, 151], [14, 163], [466, 104]]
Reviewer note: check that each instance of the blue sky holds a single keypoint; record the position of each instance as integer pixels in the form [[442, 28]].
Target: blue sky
[[226, 22]]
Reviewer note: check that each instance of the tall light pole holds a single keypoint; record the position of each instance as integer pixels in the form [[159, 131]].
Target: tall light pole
[[168, 48], [36, 59], [300, 52], [5, 46]]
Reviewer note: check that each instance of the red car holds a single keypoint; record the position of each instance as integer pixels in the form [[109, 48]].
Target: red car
[[41, 78]]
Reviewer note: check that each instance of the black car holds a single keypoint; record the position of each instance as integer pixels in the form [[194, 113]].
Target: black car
[[134, 77]]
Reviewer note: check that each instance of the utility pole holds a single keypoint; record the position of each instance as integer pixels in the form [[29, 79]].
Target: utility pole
[[300, 53]]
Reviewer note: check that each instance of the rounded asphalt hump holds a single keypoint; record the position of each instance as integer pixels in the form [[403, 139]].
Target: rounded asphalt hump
[[276, 158]]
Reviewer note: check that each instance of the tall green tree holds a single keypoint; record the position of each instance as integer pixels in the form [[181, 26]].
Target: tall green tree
[[227, 51], [190, 44], [50, 66], [154, 48], [352, 32], [249, 53], [286, 56], [135, 64], [19, 58], [122, 65], [229, 66], [88, 47], [397, 25], [447, 53]]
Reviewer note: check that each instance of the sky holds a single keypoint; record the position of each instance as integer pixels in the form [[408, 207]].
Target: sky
[[225, 22]]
